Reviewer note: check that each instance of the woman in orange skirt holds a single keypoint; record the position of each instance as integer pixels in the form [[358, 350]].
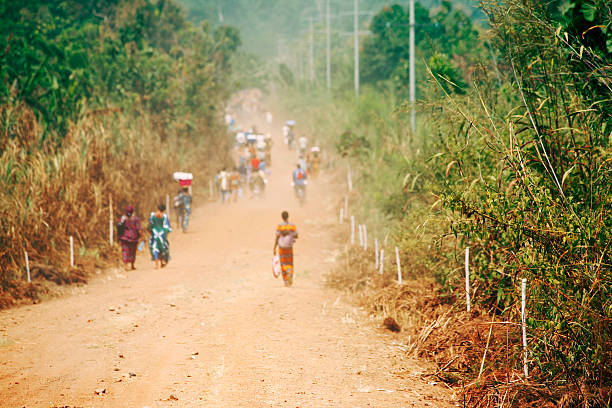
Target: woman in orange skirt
[[286, 234]]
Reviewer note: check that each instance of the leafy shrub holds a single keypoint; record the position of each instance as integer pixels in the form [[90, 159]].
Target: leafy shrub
[[352, 145]]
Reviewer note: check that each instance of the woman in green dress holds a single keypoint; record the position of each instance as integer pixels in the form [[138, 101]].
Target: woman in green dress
[[159, 227]]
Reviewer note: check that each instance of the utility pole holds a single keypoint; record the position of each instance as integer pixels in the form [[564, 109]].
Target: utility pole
[[300, 61], [412, 71], [328, 49], [312, 70], [356, 29]]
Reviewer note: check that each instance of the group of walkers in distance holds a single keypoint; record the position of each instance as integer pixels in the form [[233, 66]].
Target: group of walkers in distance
[[254, 157], [254, 151], [308, 160], [129, 229]]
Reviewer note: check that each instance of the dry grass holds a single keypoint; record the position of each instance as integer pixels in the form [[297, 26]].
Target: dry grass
[[474, 352], [50, 193]]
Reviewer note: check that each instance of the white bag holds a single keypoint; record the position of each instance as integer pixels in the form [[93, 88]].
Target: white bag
[[276, 266]]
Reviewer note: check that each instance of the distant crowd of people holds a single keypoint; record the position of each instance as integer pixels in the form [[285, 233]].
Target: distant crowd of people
[[254, 151]]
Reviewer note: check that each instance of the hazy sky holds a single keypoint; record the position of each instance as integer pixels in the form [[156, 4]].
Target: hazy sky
[[266, 25]]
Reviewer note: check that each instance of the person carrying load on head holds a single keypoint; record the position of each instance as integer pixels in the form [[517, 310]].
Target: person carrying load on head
[[183, 200], [241, 141], [285, 130], [182, 206], [285, 236], [302, 145], [290, 134], [314, 161]]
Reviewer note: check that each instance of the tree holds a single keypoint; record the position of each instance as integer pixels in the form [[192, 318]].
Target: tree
[[445, 36]]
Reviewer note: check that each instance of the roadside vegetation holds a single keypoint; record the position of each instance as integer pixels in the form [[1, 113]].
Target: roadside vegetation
[[99, 101], [511, 158]]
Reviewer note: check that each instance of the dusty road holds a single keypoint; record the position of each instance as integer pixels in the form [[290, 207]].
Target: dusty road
[[214, 328]]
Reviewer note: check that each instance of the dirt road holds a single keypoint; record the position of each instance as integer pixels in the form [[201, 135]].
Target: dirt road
[[214, 328]]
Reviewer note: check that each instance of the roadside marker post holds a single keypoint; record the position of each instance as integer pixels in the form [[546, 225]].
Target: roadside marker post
[[352, 230], [360, 226], [381, 261], [365, 237], [399, 266], [71, 251], [376, 252], [467, 277], [168, 205], [524, 324], [341, 215], [27, 265], [110, 221]]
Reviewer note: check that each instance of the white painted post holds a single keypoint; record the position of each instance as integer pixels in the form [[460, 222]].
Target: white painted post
[[467, 278], [27, 265], [356, 47], [110, 231], [110, 221], [381, 261], [523, 323], [365, 237], [168, 205], [376, 251], [360, 235], [210, 187], [341, 215], [328, 49], [352, 230], [71, 251], [399, 266]]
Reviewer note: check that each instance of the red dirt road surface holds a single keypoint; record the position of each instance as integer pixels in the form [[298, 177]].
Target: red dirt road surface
[[214, 328]]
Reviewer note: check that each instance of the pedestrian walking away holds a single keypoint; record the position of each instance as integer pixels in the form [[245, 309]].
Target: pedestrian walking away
[[302, 145], [286, 234], [129, 232], [182, 206], [224, 183], [159, 227], [235, 183], [299, 182]]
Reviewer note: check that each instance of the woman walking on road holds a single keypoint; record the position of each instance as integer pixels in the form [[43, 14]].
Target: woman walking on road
[[159, 227], [129, 232], [286, 234]]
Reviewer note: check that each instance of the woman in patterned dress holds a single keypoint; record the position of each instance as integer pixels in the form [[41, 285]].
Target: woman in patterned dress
[[286, 234], [129, 232], [159, 227]]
